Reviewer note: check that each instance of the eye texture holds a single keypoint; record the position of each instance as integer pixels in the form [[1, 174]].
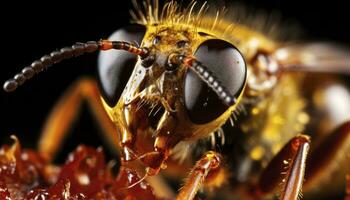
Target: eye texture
[[115, 67], [227, 64]]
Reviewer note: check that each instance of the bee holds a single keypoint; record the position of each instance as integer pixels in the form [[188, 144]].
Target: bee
[[191, 89]]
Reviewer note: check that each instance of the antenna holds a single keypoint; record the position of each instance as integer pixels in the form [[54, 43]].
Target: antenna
[[65, 53], [206, 75]]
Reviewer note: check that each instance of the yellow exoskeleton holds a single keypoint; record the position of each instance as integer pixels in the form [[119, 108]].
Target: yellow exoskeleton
[[184, 73]]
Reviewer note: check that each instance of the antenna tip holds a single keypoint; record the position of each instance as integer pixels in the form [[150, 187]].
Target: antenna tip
[[10, 85]]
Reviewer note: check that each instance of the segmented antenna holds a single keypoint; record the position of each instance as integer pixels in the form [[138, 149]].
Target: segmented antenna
[[67, 53], [209, 78]]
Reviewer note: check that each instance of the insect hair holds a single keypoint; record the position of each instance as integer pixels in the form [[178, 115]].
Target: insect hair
[[221, 22]]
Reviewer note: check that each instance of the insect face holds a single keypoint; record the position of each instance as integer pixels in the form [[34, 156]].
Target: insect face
[[164, 98]]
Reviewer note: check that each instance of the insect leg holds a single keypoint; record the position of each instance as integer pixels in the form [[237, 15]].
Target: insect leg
[[209, 163], [67, 109], [323, 157], [287, 167]]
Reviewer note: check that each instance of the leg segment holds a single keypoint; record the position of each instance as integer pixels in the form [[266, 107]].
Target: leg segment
[[319, 165], [323, 157], [65, 112], [287, 167], [209, 162]]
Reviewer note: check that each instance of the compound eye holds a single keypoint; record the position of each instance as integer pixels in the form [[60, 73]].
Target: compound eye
[[227, 64], [115, 67]]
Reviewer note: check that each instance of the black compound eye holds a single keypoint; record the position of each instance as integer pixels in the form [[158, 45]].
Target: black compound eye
[[227, 64], [115, 67]]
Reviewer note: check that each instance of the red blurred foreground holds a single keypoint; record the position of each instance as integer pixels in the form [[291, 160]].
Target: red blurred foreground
[[24, 174]]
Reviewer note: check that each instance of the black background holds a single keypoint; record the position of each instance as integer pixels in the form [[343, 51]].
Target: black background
[[32, 29]]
